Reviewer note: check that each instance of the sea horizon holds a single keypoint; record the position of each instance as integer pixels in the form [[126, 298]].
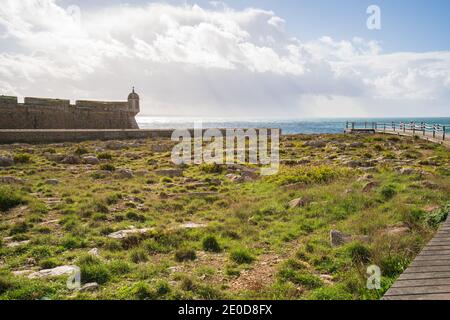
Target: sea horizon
[[288, 126]]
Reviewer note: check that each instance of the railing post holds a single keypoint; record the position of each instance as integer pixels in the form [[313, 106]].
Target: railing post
[[353, 125], [384, 129], [365, 125], [434, 131], [414, 128], [404, 127], [346, 125], [393, 125], [423, 128], [443, 133]]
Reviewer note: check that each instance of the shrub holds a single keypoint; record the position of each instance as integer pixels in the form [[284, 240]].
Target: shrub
[[22, 158], [393, 265], [438, 216], [119, 267], [388, 191], [185, 255], [105, 156], [138, 255], [132, 215], [20, 227], [211, 244], [107, 167], [213, 168], [241, 256], [358, 252], [336, 292], [49, 263], [9, 198], [93, 269], [80, 151]]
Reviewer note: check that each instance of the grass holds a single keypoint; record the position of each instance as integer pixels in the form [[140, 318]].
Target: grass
[[246, 242]]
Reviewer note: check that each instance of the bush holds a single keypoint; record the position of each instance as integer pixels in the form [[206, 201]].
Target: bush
[[93, 269], [22, 158], [241, 256], [392, 266], [9, 198], [138, 255], [80, 151], [211, 244], [105, 156], [438, 216], [107, 167], [388, 191], [49, 263], [212, 168], [119, 267], [185, 255], [336, 292], [358, 252]]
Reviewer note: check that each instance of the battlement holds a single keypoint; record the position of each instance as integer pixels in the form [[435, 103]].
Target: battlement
[[46, 113]]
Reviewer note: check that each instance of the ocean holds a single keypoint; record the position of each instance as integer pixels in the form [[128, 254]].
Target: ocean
[[291, 126]]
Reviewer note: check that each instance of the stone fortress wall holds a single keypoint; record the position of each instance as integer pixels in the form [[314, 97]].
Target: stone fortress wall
[[39, 113]]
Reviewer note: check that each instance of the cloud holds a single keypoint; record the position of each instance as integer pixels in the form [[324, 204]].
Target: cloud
[[217, 61]]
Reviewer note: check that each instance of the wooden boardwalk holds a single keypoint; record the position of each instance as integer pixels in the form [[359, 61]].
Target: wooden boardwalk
[[428, 276], [428, 136]]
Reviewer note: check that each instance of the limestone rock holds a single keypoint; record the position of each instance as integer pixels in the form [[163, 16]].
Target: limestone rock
[[406, 171], [122, 234], [94, 252], [17, 244], [399, 230], [55, 157], [11, 180], [338, 238], [55, 272], [124, 173], [369, 186], [315, 143], [52, 182], [169, 172], [6, 161], [297, 203], [71, 159], [91, 160], [89, 287], [115, 145]]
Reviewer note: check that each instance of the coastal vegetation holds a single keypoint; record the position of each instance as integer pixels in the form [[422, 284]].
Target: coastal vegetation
[[139, 227]]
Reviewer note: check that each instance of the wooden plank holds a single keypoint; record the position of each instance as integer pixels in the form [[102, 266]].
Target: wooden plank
[[418, 290], [430, 263], [438, 296], [421, 283], [431, 257], [443, 252], [436, 248], [428, 269], [424, 275]]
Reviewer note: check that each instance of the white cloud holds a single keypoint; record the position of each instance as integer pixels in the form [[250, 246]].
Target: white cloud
[[188, 60]]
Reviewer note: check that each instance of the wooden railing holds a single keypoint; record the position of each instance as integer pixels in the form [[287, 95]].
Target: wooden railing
[[437, 131]]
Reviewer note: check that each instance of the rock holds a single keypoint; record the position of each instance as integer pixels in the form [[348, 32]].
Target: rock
[[124, 173], [71, 159], [6, 161], [91, 160], [365, 177], [52, 182], [18, 243], [11, 180], [169, 172], [338, 238], [22, 272], [369, 186], [89, 287], [55, 272], [122, 234], [353, 163], [430, 185], [431, 208], [234, 178], [192, 225], [297, 203], [115, 145], [356, 145], [326, 278], [398, 231], [406, 171], [94, 252], [142, 173], [55, 157], [315, 143], [161, 148]]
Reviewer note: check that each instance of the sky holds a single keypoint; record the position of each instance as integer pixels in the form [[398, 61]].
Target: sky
[[247, 58]]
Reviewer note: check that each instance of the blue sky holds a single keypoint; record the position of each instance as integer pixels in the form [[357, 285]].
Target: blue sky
[[247, 58], [413, 25]]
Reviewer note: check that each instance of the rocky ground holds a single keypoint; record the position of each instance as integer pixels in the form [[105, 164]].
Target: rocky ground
[[140, 227]]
